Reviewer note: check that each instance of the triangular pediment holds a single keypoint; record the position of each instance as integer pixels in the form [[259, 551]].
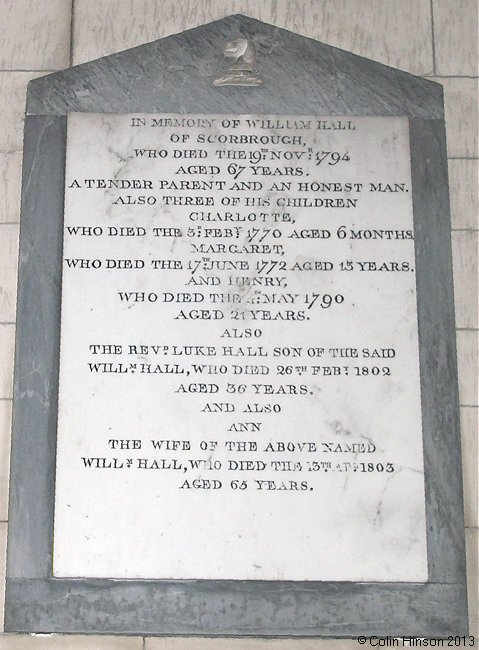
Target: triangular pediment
[[176, 74]]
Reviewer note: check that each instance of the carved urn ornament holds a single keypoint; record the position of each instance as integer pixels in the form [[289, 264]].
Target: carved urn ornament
[[242, 72]]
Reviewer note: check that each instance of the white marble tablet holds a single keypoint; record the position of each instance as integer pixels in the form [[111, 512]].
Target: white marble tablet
[[239, 375]]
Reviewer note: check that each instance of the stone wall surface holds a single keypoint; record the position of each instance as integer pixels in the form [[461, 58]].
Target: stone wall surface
[[436, 39]]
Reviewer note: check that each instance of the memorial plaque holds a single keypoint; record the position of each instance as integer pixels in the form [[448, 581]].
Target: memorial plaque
[[235, 407], [239, 369]]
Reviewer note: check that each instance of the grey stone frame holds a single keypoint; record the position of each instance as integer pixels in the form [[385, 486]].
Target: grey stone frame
[[174, 74]]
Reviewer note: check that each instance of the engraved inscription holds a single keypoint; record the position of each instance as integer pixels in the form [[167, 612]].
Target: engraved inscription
[[239, 376]]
